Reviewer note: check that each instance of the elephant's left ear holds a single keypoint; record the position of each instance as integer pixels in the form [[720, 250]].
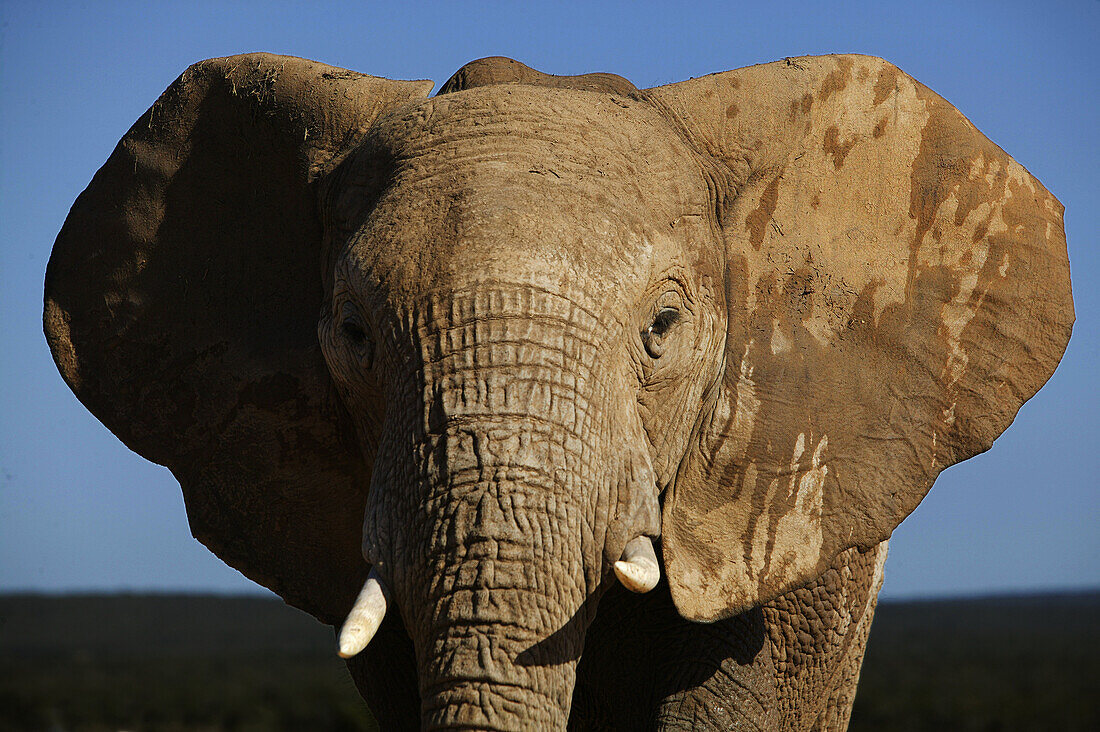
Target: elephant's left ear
[[181, 307], [897, 288]]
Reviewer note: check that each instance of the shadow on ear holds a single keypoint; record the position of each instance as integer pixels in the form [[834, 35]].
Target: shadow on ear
[[897, 288], [181, 306]]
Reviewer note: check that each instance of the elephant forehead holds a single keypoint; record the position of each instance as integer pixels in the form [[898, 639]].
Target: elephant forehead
[[547, 187], [512, 226], [606, 147], [582, 125]]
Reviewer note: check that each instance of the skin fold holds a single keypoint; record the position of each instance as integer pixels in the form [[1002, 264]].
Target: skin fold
[[616, 394]]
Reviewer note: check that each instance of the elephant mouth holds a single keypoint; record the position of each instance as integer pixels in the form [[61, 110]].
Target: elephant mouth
[[638, 570]]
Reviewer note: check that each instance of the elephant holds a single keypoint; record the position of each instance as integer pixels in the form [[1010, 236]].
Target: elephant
[[569, 404]]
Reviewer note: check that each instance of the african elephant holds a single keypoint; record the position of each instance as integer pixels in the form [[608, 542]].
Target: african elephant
[[538, 340]]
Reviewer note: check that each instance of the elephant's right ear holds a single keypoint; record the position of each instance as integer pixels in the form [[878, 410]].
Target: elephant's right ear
[[181, 307]]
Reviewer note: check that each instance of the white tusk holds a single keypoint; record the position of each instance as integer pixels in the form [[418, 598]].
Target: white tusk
[[638, 569], [365, 617]]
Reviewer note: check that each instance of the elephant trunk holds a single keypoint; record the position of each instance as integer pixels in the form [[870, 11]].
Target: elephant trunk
[[504, 612], [515, 496]]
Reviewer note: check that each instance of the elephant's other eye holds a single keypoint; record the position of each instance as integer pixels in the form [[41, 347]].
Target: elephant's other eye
[[357, 334], [653, 338]]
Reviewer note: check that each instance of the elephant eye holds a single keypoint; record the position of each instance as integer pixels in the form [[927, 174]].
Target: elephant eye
[[356, 332], [654, 336], [353, 332]]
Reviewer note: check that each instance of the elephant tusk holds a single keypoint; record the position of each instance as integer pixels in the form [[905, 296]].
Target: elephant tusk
[[638, 569], [365, 617]]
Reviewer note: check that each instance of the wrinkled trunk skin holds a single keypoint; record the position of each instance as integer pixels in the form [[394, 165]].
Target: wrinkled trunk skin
[[491, 523], [503, 633]]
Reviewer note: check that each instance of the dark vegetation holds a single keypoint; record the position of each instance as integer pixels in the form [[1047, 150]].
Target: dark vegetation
[[177, 662], [170, 662], [999, 663]]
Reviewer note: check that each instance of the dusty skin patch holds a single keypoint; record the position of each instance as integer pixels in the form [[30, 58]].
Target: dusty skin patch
[[837, 149], [801, 107], [794, 534], [731, 427], [841, 220], [888, 80], [966, 248], [836, 80], [780, 341], [757, 222]]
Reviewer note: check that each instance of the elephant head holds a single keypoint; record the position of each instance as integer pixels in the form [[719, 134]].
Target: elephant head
[[499, 341]]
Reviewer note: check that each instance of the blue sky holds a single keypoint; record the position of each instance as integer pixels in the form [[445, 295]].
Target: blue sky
[[78, 511]]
